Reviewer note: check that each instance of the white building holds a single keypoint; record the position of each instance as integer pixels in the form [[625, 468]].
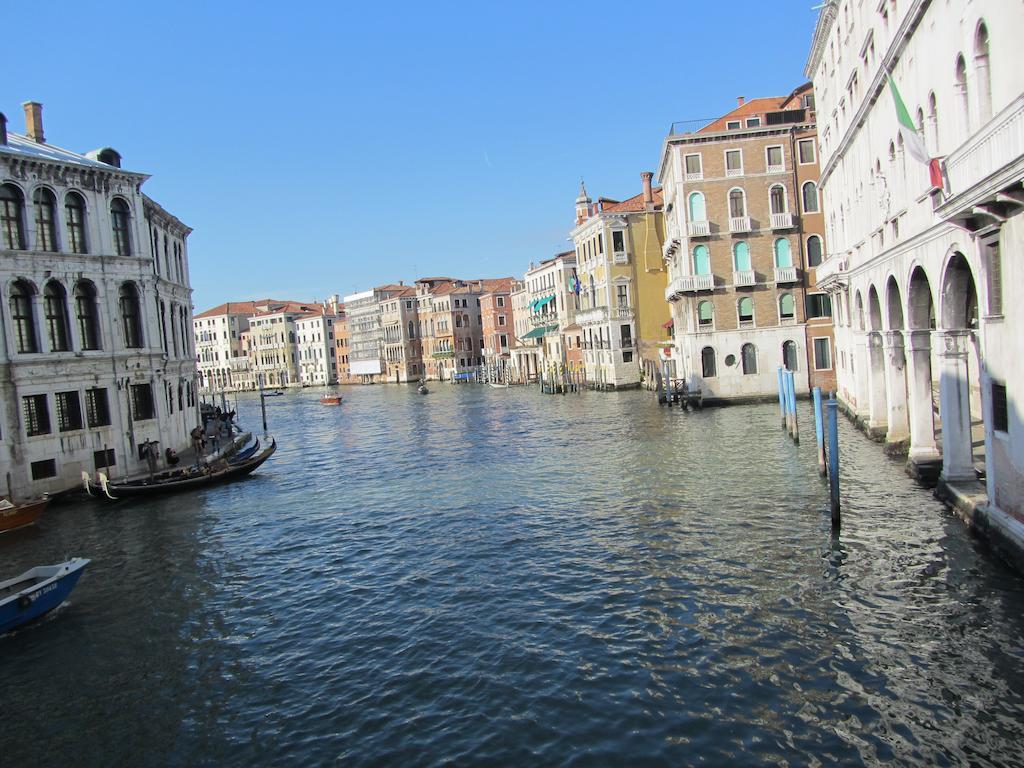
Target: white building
[[927, 281], [95, 351], [366, 332], [314, 335], [221, 355], [552, 307]]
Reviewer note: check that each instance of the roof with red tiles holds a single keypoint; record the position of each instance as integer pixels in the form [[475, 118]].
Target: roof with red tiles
[[635, 203], [250, 307], [753, 108]]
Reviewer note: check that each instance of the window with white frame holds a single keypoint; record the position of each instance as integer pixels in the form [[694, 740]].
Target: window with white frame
[[809, 194], [732, 125], [694, 167], [734, 162], [774, 159], [753, 122], [805, 151], [822, 354], [622, 295]]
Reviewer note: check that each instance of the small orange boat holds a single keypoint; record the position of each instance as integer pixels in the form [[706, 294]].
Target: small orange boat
[[330, 400], [14, 516]]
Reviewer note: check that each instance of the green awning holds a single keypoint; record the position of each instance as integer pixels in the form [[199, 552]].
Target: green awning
[[551, 329], [536, 333], [543, 302]]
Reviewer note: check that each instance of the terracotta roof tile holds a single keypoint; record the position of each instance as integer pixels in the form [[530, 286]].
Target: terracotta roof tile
[[635, 203]]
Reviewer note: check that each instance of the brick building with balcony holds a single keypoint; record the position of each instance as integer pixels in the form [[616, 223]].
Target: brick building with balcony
[[744, 234]]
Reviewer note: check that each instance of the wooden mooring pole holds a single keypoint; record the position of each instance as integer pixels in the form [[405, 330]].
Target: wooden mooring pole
[[782, 397], [819, 430], [833, 458], [794, 429]]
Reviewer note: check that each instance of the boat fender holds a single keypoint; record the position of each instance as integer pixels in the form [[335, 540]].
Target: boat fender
[[24, 602]]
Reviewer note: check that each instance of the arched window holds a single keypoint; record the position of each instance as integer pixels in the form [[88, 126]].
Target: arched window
[[55, 308], [983, 76], [741, 256], [131, 315], [701, 260], [737, 203], [87, 315], [705, 315], [963, 96], [23, 317], [789, 359], [707, 362], [44, 204], [161, 309], [74, 220], [748, 354], [809, 193], [783, 253], [787, 307], [120, 220], [10, 218], [745, 307], [777, 198], [412, 330], [698, 212], [933, 123], [813, 251]]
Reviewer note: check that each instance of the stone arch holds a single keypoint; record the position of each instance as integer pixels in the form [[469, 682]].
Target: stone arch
[[874, 310], [893, 305], [959, 298], [920, 306]]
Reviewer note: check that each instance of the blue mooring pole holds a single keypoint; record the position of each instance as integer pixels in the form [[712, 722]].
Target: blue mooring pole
[[782, 397], [833, 458], [819, 430], [794, 428]]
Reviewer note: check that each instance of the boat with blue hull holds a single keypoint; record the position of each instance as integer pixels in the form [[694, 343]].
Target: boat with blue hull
[[37, 591]]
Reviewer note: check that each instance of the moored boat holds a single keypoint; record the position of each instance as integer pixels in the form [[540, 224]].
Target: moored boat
[[37, 591], [190, 479], [13, 516], [330, 400]]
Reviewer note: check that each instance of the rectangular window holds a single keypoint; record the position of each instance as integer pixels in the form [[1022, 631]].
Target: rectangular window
[[618, 241], [69, 411], [805, 148], [44, 469], [994, 273], [104, 459], [753, 122], [732, 125], [819, 305], [503, 341], [626, 335], [822, 354], [142, 402], [774, 155], [37, 415], [627, 356], [501, 319], [694, 169], [622, 295], [1000, 411], [734, 162], [501, 301]]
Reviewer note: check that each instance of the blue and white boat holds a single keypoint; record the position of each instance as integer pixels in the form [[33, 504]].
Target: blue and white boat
[[37, 591]]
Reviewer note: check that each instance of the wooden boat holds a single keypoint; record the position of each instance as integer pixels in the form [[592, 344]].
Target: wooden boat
[[189, 479], [330, 400], [244, 454], [496, 385], [422, 389], [275, 393], [14, 516], [37, 591]]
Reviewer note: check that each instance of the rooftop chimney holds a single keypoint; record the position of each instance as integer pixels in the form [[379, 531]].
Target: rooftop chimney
[[646, 176], [3, 129], [740, 100], [34, 121]]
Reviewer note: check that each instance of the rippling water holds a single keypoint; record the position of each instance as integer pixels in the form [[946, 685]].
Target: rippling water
[[498, 577]]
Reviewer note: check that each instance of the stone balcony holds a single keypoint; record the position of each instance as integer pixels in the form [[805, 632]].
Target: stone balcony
[[744, 277], [592, 316], [739, 224], [621, 313], [782, 221], [698, 228], [785, 275]]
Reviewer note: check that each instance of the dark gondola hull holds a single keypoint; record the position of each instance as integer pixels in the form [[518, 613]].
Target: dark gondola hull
[[230, 472]]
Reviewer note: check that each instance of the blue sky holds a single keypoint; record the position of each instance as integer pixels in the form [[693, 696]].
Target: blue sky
[[320, 148]]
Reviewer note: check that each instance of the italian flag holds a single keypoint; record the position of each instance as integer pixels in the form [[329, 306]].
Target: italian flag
[[912, 140]]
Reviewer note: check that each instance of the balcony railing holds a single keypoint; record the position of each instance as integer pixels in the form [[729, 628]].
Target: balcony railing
[[785, 274], [739, 223], [733, 172], [746, 324], [698, 228], [791, 320], [620, 257], [698, 176], [744, 277], [622, 313], [782, 221], [776, 169], [703, 282], [677, 286], [592, 316], [994, 147]]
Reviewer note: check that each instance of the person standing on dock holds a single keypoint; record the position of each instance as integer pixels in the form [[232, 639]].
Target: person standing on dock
[[197, 444]]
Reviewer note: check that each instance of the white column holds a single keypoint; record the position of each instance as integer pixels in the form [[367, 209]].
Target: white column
[[919, 400], [861, 366], [955, 407], [896, 388], [876, 382]]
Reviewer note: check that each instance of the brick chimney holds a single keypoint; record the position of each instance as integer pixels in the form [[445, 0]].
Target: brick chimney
[[34, 121], [3, 129], [740, 100], [646, 177]]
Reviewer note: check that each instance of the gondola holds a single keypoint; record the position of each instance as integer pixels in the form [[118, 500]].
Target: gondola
[[221, 471], [245, 453]]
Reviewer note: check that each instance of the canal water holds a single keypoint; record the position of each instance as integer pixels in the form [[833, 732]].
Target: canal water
[[496, 577]]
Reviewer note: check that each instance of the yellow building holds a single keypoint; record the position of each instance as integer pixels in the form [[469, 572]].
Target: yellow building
[[623, 313]]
